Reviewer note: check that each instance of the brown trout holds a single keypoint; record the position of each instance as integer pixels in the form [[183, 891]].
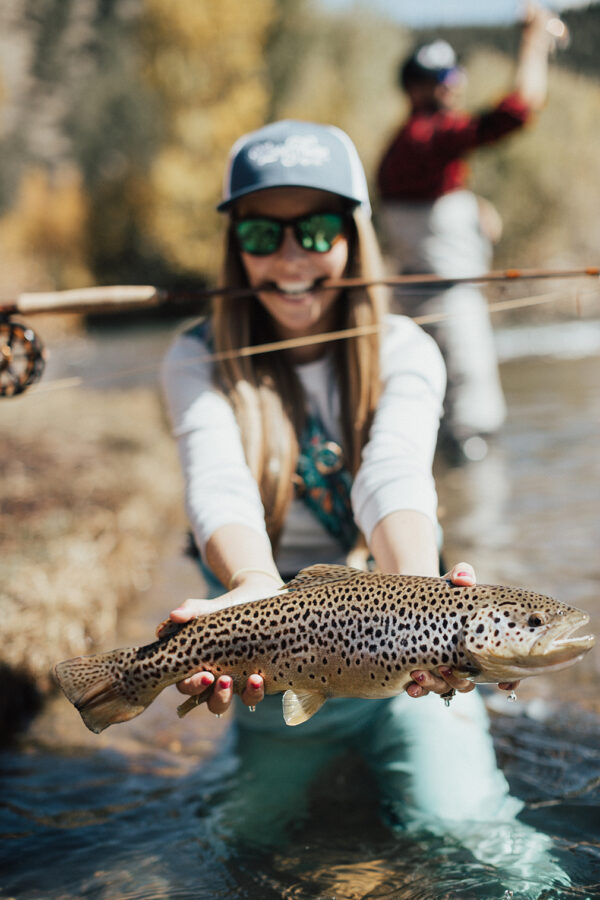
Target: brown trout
[[337, 632]]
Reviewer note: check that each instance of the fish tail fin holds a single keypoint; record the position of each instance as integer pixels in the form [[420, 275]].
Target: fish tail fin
[[97, 686]]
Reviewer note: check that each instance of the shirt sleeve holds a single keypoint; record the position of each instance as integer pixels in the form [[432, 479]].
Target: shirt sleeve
[[219, 487], [396, 468], [459, 134]]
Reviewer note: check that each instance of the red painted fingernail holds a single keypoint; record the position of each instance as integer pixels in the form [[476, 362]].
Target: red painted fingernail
[[463, 575], [255, 682], [420, 677], [206, 679], [226, 681], [446, 672]]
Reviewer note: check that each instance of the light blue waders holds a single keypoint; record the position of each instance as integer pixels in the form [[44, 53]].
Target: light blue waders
[[434, 765]]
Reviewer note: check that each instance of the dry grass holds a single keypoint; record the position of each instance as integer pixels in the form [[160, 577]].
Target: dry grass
[[89, 486]]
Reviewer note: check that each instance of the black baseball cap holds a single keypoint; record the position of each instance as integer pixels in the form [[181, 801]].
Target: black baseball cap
[[432, 62]]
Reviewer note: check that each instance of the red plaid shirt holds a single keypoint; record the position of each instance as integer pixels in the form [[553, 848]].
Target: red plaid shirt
[[425, 159]]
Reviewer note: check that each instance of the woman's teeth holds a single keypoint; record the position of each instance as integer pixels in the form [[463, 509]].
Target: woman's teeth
[[295, 288]]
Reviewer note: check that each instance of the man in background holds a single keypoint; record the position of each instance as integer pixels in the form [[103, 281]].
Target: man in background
[[433, 224]]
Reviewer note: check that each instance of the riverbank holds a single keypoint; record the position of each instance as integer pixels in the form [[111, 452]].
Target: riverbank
[[89, 486]]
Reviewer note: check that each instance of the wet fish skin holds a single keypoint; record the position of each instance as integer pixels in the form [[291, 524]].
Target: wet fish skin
[[337, 632]]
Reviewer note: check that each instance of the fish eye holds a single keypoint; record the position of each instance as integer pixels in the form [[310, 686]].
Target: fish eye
[[535, 620]]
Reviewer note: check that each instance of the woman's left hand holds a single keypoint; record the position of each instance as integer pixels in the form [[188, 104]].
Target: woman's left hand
[[424, 680], [255, 586]]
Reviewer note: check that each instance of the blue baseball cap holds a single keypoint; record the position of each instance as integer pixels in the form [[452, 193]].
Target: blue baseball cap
[[292, 153]]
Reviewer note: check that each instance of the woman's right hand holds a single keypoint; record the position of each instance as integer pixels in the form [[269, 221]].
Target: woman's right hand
[[254, 587], [544, 26], [222, 694]]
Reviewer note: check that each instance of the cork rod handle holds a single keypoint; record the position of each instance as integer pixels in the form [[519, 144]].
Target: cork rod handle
[[93, 299]]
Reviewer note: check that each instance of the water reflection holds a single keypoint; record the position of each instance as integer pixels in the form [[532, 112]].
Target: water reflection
[[102, 825], [474, 511]]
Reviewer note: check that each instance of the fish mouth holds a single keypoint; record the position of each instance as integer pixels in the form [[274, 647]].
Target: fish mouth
[[560, 644]]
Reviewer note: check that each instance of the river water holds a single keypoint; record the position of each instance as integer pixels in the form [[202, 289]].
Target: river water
[[132, 813]]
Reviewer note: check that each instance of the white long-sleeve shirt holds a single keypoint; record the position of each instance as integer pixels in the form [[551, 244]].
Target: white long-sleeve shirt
[[395, 473]]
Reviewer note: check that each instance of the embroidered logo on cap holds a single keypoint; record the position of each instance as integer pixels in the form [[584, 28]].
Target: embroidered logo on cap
[[300, 150]]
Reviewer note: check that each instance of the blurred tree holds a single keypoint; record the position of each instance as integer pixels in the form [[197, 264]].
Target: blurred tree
[[132, 105], [46, 228], [73, 101], [115, 125], [205, 60], [337, 68]]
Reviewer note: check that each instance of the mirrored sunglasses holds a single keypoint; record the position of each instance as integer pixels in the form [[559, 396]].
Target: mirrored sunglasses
[[317, 232]]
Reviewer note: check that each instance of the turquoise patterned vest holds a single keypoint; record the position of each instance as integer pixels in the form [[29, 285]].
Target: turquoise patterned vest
[[323, 482]]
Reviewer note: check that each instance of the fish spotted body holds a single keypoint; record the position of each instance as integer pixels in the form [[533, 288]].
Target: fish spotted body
[[337, 632]]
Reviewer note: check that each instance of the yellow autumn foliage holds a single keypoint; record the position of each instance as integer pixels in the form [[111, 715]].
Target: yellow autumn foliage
[[206, 62], [45, 230], [147, 138]]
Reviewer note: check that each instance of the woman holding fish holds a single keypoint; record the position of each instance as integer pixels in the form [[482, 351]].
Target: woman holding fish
[[299, 214], [289, 455]]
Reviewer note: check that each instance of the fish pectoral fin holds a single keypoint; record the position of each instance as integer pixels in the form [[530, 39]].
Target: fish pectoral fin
[[191, 703], [300, 706], [321, 573]]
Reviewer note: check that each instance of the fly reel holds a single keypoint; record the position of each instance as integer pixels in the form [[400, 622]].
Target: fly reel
[[22, 357]]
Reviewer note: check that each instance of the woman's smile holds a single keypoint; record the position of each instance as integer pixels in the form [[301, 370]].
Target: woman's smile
[[292, 290], [288, 280], [295, 289]]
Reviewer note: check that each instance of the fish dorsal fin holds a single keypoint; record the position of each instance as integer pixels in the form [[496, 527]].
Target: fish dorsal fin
[[313, 576], [300, 706], [168, 628]]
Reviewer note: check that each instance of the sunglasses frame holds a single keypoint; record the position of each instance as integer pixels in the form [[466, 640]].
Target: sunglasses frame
[[292, 223]]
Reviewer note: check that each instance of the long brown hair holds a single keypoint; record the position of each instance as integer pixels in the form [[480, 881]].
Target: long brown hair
[[264, 390]]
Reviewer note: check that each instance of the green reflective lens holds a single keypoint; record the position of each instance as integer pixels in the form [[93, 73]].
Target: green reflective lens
[[259, 236], [319, 231], [263, 235]]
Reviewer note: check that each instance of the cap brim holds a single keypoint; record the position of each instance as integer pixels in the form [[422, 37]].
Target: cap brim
[[225, 205]]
